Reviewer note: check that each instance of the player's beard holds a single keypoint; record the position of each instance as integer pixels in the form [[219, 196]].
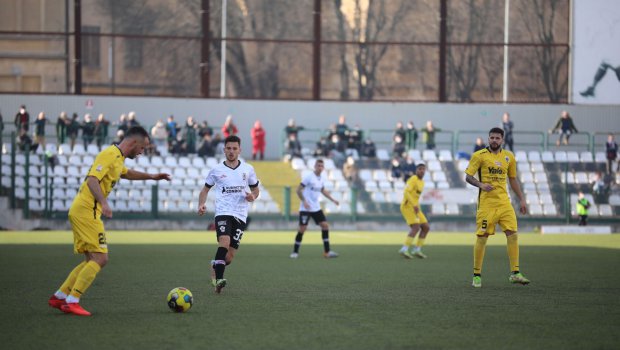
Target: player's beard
[[495, 147]]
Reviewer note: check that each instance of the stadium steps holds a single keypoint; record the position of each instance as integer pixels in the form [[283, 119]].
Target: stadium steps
[[274, 175]]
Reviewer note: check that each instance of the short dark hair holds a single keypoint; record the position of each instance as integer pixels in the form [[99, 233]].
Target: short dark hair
[[319, 160], [137, 131], [232, 138], [496, 131]]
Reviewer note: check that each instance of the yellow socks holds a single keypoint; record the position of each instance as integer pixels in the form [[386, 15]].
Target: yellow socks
[[512, 247], [420, 242], [84, 279], [479, 249], [408, 241], [70, 281]]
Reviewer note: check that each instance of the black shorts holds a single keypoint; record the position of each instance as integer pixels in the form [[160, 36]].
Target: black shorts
[[304, 217], [227, 225]]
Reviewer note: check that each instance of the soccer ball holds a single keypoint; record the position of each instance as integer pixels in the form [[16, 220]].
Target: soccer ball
[[180, 299]]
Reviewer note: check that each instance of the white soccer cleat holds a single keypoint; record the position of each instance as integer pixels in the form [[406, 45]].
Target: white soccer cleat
[[294, 255], [330, 254]]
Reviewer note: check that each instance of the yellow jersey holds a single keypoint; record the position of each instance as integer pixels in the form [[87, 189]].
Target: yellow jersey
[[413, 191], [493, 169], [107, 168]]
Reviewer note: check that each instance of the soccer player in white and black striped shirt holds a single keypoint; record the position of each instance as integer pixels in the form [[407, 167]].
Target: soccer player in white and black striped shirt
[[236, 186], [309, 191]]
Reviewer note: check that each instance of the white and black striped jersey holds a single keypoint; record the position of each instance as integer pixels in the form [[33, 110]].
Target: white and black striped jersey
[[312, 185], [230, 187]]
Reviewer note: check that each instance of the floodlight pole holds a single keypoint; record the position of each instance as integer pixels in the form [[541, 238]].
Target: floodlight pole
[[223, 59], [506, 38]]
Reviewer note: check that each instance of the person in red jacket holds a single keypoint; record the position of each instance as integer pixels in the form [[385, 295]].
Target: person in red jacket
[[258, 140], [229, 128]]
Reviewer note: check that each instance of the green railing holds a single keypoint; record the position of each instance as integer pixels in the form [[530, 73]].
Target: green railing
[[384, 211]]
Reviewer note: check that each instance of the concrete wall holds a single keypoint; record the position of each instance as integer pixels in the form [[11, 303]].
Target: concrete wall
[[319, 115]]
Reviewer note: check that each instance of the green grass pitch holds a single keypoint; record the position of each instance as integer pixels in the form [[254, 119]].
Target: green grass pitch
[[368, 298]]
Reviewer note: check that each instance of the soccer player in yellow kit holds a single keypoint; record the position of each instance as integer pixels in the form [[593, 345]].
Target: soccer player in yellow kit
[[410, 208], [90, 203], [494, 165]]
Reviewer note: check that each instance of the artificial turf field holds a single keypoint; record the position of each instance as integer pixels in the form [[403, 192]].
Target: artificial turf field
[[368, 298]]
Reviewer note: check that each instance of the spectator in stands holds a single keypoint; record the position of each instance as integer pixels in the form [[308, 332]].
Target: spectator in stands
[[354, 138], [322, 148], [429, 134], [73, 129], [336, 148], [131, 119], [88, 130], [400, 131], [229, 127], [258, 140], [565, 127], [39, 130], [601, 188], [479, 144], [120, 135], [369, 149], [22, 121], [172, 129], [349, 170], [508, 126], [611, 152], [207, 147], [292, 128], [412, 135], [61, 127], [341, 127], [218, 144], [178, 145], [123, 123], [190, 135], [24, 141], [101, 130], [159, 134], [582, 209], [292, 147], [408, 168], [398, 145], [396, 170], [205, 129]]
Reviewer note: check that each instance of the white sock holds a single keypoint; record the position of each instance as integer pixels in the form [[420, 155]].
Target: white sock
[[60, 295], [71, 299], [417, 249]]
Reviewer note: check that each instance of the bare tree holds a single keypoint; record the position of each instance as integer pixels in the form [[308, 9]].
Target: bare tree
[[463, 65], [366, 29], [540, 19], [172, 70]]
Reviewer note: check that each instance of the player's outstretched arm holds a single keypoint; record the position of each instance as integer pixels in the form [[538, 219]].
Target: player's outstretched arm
[[138, 175], [202, 200]]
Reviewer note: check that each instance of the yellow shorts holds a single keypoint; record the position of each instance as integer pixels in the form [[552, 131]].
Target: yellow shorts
[[488, 218], [411, 217], [88, 234]]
